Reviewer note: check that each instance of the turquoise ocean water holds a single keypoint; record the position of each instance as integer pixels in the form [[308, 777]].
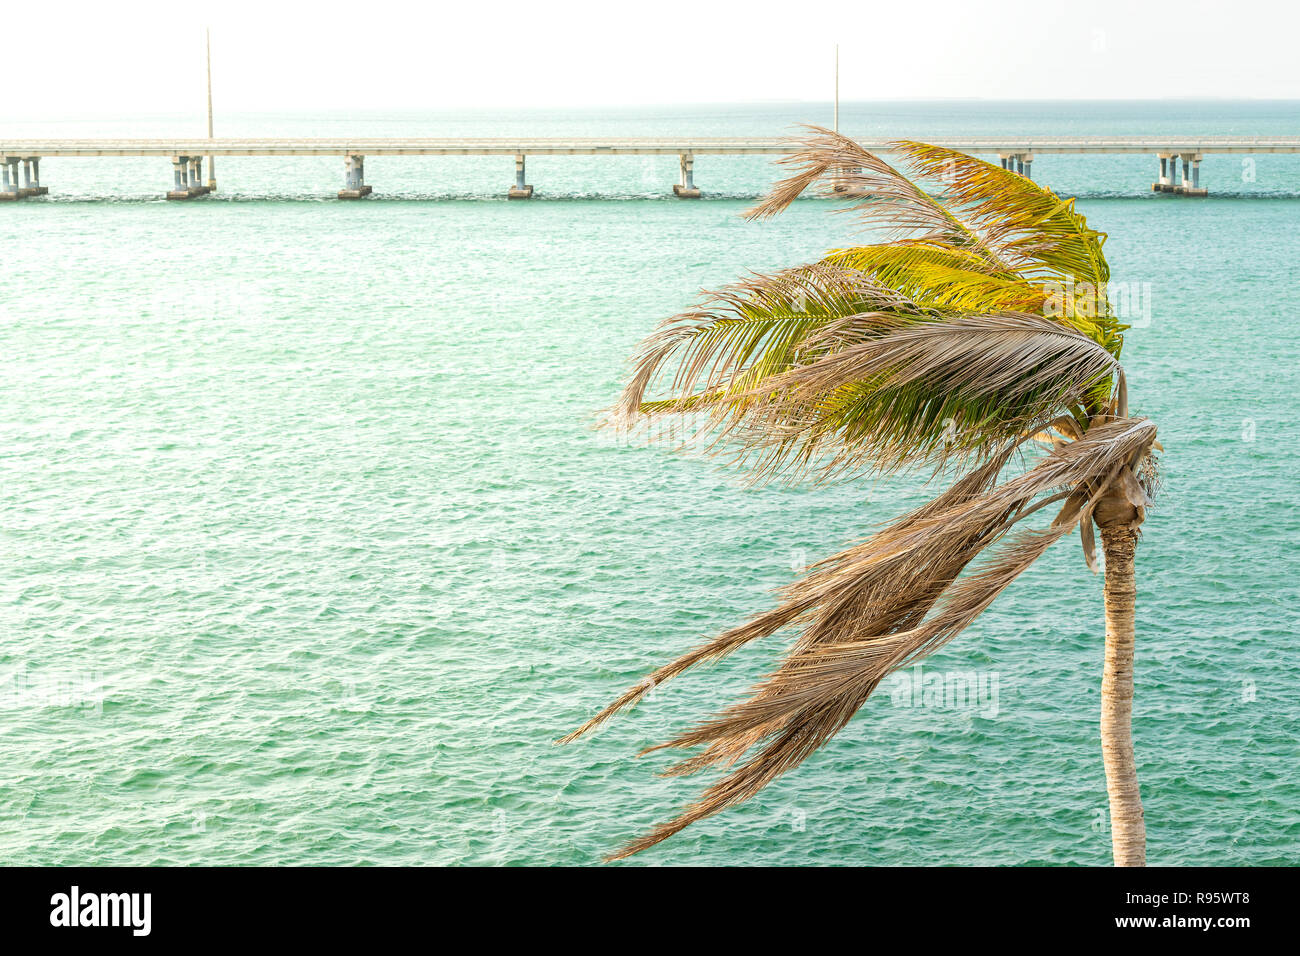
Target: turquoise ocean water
[[310, 549]]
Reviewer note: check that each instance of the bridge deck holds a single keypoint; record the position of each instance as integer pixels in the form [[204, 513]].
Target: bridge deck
[[596, 146]]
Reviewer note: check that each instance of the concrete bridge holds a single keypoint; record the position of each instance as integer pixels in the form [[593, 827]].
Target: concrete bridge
[[186, 155]]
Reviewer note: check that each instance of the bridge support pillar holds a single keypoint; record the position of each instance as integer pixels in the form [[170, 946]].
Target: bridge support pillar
[[8, 180], [686, 188], [1162, 177], [354, 179], [1027, 165], [1165, 184], [187, 176], [1191, 161], [32, 174], [17, 179], [20, 177], [521, 189]]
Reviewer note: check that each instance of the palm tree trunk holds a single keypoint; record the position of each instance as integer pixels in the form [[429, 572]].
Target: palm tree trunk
[[1127, 828]]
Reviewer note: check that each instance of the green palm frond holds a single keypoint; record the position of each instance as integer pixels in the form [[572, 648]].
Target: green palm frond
[[742, 356], [942, 278], [1041, 234], [749, 331]]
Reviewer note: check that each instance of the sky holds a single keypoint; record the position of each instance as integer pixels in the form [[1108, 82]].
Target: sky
[[147, 57]]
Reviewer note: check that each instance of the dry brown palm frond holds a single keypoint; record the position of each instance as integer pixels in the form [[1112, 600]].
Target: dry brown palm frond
[[803, 595], [978, 355], [809, 704], [872, 574], [865, 611], [883, 587], [1066, 426], [762, 625], [886, 395], [905, 210]]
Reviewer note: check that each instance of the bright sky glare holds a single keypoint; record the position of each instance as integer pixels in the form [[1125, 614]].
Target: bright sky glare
[[147, 57]]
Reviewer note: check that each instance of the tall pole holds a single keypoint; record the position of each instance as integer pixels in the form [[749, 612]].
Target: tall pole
[[837, 89], [207, 43]]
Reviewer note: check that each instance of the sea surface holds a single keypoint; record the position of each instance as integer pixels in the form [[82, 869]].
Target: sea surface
[[309, 549]]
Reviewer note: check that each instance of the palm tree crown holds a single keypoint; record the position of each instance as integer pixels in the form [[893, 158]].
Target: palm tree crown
[[979, 323]]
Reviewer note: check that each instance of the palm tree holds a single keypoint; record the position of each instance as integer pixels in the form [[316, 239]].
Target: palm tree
[[976, 330]]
